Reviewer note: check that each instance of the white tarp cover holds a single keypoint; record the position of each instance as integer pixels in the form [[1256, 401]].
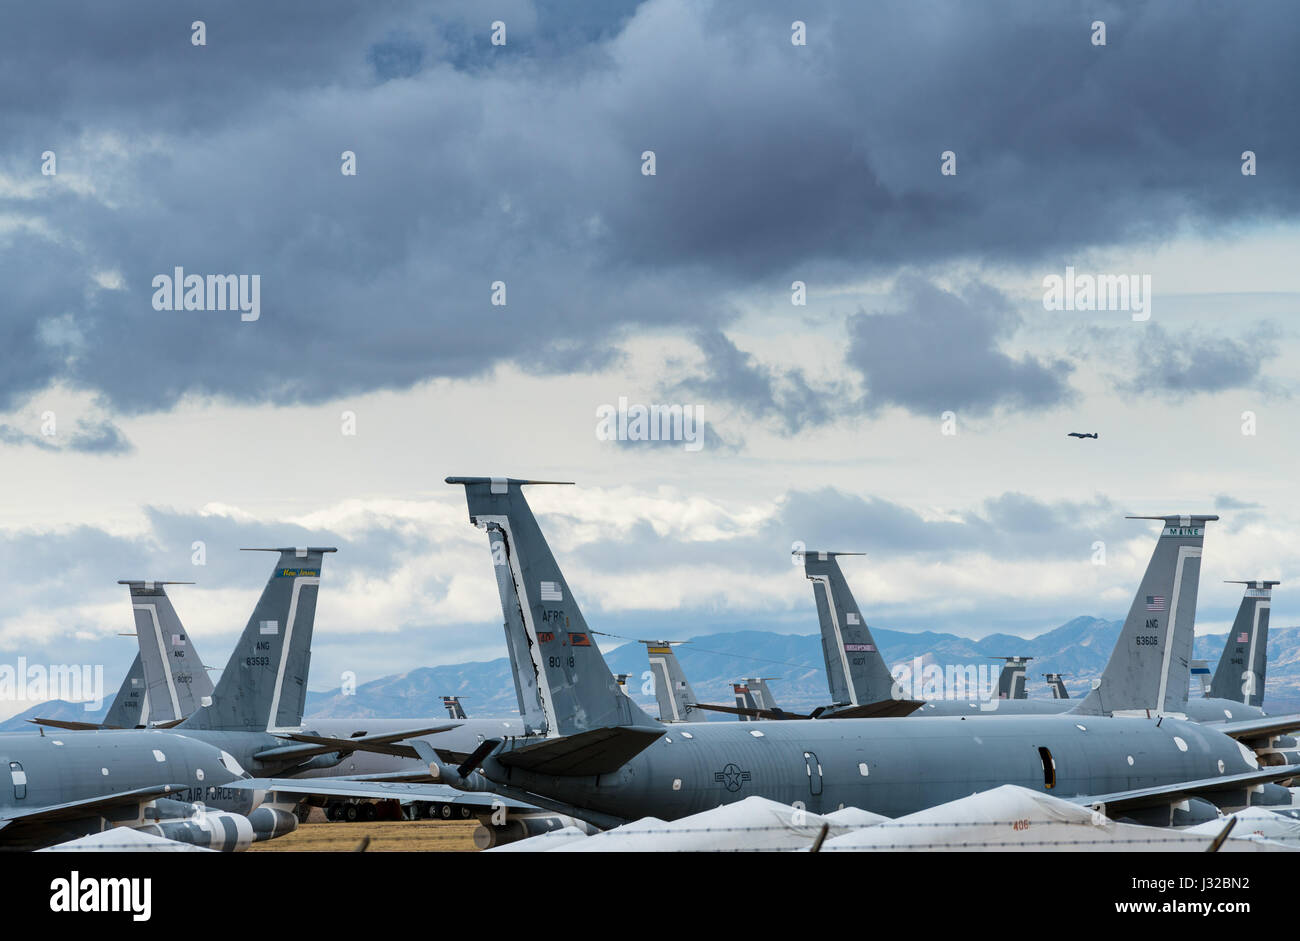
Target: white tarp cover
[[542, 842], [1256, 823], [123, 840], [1015, 818], [754, 823]]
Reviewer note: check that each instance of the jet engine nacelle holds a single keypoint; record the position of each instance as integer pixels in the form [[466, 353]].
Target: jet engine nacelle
[[269, 822], [211, 829], [523, 826]]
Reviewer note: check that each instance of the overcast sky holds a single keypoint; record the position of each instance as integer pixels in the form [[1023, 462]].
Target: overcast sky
[[523, 163]]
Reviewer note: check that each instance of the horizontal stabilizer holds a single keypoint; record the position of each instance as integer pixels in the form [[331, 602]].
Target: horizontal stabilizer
[[312, 745], [751, 712], [885, 709], [596, 751], [71, 725], [1120, 801], [475, 758], [1259, 728]]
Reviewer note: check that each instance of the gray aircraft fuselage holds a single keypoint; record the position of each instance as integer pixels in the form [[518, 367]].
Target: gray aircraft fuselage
[[890, 766], [1197, 709], [40, 771]]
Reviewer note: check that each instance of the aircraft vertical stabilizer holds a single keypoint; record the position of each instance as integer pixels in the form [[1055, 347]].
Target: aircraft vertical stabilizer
[[1240, 673], [672, 691], [264, 684], [575, 689], [1150, 667], [855, 668], [174, 676], [128, 709]]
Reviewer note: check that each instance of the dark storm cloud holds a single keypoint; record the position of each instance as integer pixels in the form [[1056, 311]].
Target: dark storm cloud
[[523, 165], [1147, 359], [927, 350], [760, 391], [938, 351], [1197, 362]]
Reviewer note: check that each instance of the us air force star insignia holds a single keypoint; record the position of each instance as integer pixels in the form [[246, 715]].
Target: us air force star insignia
[[731, 777]]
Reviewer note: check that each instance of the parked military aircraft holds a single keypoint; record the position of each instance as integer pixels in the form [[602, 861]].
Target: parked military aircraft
[[1240, 673], [605, 760], [1169, 587], [454, 709], [673, 693], [1011, 678], [66, 785], [754, 695], [1057, 685], [166, 681]]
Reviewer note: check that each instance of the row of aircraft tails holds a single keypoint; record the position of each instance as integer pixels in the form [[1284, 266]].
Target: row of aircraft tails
[[179, 759], [863, 684]]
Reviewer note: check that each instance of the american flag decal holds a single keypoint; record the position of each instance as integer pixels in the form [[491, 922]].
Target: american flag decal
[[852, 618], [1155, 602], [176, 640], [551, 591], [1243, 637]]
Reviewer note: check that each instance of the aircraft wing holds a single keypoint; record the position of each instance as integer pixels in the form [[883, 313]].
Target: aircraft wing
[[378, 790], [1259, 728], [595, 751], [885, 709], [71, 725], [752, 713], [311, 745], [87, 807], [1168, 793]]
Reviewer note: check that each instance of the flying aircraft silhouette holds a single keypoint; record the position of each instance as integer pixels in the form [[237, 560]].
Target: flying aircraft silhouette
[[1080, 434]]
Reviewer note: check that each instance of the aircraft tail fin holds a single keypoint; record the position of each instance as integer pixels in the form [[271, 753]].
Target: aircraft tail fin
[[1240, 673], [128, 709], [575, 690], [1201, 672], [1011, 679], [174, 676], [454, 709], [1150, 667], [672, 690], [1057, 685], [264, 684], [745, 699], [761, 693], [855, 669]]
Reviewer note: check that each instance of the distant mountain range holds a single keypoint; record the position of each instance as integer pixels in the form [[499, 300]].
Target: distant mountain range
[[712, 662]]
